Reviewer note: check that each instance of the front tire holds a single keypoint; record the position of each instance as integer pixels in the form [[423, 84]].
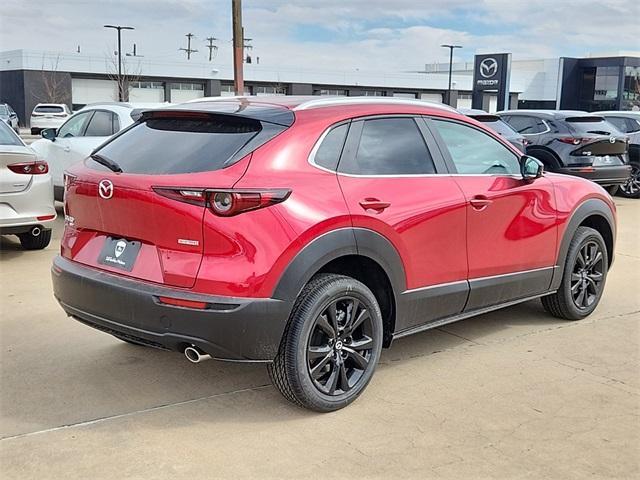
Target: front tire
[[331, 345], [583, 279], [37, 242]]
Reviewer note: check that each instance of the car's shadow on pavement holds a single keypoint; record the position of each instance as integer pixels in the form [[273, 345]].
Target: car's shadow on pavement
[[95, 376]]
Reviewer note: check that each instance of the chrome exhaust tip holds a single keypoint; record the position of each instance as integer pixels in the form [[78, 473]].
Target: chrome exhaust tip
[[35, 231], [195, 355]]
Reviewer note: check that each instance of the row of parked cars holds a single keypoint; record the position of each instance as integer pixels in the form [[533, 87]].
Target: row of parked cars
[[599, 147]]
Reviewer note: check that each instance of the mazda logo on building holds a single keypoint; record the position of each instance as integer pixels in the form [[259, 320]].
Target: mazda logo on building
[[105, 189], [488, 67]]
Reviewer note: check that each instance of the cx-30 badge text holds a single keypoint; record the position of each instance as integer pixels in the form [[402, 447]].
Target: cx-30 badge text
[[105, 189]]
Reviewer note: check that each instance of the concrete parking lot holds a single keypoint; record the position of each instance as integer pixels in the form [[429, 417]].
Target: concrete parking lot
[[512, 394]]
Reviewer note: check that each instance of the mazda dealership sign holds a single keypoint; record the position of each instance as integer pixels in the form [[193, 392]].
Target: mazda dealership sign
[[491, 73]]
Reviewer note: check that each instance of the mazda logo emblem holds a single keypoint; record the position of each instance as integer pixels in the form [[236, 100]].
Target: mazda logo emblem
[[612, 139], [488, 67], [105, 189]]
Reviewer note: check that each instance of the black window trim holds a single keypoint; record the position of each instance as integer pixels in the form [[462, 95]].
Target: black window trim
[[352, 141], [444, 150]]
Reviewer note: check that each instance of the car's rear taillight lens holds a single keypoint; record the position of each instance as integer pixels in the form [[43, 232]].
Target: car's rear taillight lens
[[571, 140], [226, 203], [29, 168]]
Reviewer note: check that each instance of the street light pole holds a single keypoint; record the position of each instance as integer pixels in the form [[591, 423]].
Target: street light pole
[[119, 29], [450, 47], [238, 46]]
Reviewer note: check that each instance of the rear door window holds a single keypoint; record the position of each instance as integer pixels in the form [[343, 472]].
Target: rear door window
[[474, 152], [185, 144], [100, 125], [390, 146]]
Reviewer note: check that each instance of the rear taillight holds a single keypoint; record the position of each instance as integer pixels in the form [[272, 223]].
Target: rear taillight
[[226, 203], [575, 140], [29, 168]]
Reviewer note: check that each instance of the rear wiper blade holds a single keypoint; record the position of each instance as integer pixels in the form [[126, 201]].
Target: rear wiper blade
[[110, 164]]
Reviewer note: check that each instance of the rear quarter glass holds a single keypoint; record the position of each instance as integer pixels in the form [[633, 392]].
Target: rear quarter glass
[[175, 145]]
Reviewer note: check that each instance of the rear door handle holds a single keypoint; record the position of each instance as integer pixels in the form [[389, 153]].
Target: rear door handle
[[480, 202], [374, 204]]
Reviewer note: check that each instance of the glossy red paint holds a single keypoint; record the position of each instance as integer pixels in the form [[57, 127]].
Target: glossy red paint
[[432, 222]]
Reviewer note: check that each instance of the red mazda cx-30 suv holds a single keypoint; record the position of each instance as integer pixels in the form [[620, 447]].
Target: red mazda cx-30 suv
[[308, 233]]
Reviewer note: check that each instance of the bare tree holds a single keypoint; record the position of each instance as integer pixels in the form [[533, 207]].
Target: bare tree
[[130, 75], [53, 83]]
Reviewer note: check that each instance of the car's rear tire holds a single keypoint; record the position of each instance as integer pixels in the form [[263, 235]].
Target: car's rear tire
[[631, 189], [331, 344], [35, 242], [583, 278]]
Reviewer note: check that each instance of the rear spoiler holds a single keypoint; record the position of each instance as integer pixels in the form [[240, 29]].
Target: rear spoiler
[[256, 112]]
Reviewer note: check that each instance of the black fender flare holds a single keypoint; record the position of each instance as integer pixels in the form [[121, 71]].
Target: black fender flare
[[335, 244], [592, 206]]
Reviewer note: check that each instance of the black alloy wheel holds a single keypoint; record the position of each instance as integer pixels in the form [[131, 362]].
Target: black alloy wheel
[[340, 346], [587, 275], [331, 344], [631, 188], [583, 277]]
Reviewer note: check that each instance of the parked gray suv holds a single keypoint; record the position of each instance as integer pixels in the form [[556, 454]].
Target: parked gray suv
[[629, 124], [575, 143]]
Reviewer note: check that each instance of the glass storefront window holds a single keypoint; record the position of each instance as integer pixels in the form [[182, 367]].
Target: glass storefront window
[[631, 90], [606, 87]]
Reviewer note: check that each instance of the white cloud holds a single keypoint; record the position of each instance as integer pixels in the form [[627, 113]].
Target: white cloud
[[388, 35]]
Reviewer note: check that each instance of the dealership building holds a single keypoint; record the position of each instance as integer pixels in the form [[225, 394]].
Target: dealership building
[[29, 77]]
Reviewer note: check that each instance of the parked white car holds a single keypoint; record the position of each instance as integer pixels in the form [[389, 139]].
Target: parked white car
[[81, 134], [26, 192], [48, 115]]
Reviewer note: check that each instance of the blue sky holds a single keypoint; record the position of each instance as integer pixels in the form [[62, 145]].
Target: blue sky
[[394, 35]]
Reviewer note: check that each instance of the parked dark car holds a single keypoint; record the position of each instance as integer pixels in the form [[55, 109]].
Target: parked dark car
[[498, 125], [629, 124], [307, 233], [574, 143]]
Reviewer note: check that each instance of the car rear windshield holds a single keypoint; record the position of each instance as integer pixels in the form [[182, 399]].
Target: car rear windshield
[[498, 125], [595, 125], [186, 144], [49, 109], [7, 137]]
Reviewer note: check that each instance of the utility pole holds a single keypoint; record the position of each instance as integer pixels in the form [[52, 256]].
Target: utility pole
[[238, 46], [120, 83], [189, 50], [451, 48], [211, 46]]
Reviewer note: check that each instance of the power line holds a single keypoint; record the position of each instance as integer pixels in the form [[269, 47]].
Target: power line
[[189, 50]]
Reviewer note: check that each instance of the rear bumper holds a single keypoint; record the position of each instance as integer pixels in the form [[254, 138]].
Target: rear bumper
[[237, 329], [614, 175]]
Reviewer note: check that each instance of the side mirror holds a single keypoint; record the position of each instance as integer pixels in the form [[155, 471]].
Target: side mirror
[[530, 167], [49, 134]]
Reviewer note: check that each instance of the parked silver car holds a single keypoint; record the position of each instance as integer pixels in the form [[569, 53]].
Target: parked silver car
[[26, 192], [9, 116]]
